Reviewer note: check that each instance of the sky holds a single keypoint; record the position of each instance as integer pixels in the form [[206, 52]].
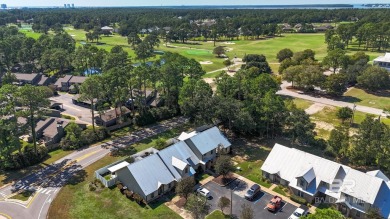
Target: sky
[[97, 3]]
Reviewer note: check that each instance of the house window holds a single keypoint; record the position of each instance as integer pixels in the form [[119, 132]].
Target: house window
[[360, 203], [301, 182], [186, 170], [169, 185], [152, 195], [300, 194], [212, 152]]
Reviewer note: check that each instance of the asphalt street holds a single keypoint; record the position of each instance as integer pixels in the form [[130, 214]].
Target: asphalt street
[[47, 182], [258, 204], [81, 113], [365, 109]]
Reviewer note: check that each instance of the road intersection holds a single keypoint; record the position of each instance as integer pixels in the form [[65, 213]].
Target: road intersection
[[47, 182]]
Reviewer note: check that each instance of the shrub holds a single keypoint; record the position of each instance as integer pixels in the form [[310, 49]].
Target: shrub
[[298, 199], [26, 158], [91, 187], [146, 118]]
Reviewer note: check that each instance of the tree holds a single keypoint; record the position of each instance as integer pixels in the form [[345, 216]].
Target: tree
[[344, 113], [335, 84], [223, 203], [292, 73], [374, 78], [133, 39], [224, 165], [247, 212], [8, 78], [90, 91], [197, 205], [185, 187], [34, 99], [284, 54], [219, 50], [72, 138], [374, 213], [310, 77], [327, 213], [339, 141], [299, 126], [335, 59], [227, 63]]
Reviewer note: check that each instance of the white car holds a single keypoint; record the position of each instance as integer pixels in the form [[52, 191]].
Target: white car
[[203, 192], [298, 213]]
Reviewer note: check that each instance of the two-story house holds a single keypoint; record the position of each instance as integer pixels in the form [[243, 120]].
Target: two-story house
[[317, 179]]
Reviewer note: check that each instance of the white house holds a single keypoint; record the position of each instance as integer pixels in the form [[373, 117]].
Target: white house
[[383, 61], [156, 172], [318, 179]]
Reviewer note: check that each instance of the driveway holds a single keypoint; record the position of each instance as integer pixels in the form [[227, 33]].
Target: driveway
[[82, 113], [258, 203]]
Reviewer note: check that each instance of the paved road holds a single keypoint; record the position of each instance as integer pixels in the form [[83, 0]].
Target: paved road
[[81, 113], [258, 204], [49, 180], [326, 101]]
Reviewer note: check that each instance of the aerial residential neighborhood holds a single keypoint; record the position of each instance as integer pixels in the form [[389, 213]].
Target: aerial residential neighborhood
[[118, 109]]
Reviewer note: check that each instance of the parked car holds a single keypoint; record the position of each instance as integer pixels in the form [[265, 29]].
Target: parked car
[[274, 204], [204, 192], [252, 192], [298, 213]]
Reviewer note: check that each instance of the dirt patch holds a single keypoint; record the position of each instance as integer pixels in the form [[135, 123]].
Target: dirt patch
[[220, 180], [314, 108], [228, 43], [181, 202], [206, 62], [324, 125], [209, 80]]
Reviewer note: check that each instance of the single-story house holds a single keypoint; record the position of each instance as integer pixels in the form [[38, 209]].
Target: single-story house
[[107, 29], [151, 98], [76, 100], [52, 130], [157, 172], [28, 78], [383, 61], [62, 84], [111, 117], [317, 179]]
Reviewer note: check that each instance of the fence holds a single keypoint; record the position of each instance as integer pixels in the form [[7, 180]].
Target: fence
[[99, 174]]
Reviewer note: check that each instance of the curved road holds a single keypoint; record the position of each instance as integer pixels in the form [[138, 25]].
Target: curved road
[[47, 182], [365, 109]]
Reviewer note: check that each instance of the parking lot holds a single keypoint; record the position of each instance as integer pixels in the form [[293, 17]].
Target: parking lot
[[83, 113], [258, 203]]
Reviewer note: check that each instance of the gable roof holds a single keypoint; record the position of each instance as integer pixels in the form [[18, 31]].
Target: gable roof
[[26, 76], [361, 185], [77, 79], [112, 113], [64, 79], [385, 58], [150, 173], [118, 166], [209, 139], [184, 135], [379, 174]]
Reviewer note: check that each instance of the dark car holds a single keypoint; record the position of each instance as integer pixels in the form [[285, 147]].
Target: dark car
[[252, 192]]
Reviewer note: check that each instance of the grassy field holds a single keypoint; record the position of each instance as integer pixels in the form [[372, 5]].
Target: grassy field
[[279, 189], [361, 97], [302, 104], [217, 214], [76, 201]]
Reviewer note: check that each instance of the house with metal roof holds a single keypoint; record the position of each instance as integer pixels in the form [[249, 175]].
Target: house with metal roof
[[207, 144], [383, 61], [318, 179], [154, 172]]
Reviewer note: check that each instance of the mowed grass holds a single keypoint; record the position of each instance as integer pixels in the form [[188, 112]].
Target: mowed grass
[[302, 104], [217, 214], [361, 97], [76, 201]]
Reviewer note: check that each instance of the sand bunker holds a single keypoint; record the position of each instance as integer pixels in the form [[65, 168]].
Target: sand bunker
[[206, 62], [229, 43]]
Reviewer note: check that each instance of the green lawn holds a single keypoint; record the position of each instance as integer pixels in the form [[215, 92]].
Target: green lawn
[[302, 104], [361, 97], [217, 214], [76, 201], [279, 189]]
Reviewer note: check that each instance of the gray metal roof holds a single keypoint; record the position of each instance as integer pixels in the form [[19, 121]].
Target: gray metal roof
[[209, 140], [150, 173]]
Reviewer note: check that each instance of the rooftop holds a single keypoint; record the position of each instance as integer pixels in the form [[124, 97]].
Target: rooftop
[[385, 58]]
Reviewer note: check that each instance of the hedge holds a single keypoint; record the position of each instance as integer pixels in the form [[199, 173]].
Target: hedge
[[298, 199]]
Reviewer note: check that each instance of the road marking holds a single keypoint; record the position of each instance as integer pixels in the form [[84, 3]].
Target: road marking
[[49, 201], [48, 192], [43, 191], [22, 187], [86, 155], [31, 201], [5, 215], [40, 212]]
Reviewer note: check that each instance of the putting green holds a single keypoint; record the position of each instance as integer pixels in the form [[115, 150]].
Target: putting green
[[197, 52]]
